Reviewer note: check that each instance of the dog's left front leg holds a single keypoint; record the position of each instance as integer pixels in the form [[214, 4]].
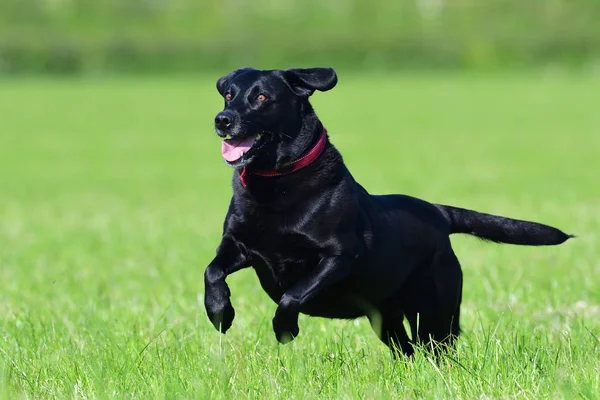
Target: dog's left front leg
[[329, 271]]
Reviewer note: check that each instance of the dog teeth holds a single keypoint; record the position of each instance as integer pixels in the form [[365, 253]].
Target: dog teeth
[[258, 136], [242, 153]]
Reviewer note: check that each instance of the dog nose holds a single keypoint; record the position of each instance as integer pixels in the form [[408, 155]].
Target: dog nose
[[223, 120]]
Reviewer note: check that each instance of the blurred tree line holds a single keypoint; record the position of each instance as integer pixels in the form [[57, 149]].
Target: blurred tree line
[[81, 36]]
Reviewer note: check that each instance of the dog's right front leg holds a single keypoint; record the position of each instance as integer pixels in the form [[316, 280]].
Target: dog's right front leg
[[228, 260]]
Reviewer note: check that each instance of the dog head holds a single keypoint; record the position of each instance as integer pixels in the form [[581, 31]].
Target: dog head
[[266, 111]]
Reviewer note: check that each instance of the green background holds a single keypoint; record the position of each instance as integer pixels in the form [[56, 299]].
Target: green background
[[102, 36]]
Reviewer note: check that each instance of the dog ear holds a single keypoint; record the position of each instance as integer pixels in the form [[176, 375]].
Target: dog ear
[[304, 81], [223, 82]]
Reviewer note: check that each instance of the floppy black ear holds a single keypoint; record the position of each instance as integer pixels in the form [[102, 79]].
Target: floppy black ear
[[223, 82], [304, 81]]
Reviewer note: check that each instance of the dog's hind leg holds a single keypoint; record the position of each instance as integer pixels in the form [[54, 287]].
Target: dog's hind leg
[[434, 314], [389, 327]]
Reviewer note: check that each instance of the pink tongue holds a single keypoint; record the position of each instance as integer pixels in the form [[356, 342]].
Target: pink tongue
[[232, 148]]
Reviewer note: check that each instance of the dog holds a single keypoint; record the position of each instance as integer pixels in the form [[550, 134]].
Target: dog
[[319, 243]]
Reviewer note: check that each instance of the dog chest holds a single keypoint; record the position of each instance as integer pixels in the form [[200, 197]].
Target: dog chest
[[281, 260]]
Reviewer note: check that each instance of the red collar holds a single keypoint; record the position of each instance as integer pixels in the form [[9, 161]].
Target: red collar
[[300, 163]]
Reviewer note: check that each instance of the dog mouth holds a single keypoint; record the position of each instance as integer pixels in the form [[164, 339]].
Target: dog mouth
[[234, 150]]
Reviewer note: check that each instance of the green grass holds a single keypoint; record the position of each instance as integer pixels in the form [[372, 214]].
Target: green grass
[[112, 196]]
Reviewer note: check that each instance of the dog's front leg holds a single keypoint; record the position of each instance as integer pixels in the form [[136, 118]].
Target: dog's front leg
[[330, 270], [229, 259]]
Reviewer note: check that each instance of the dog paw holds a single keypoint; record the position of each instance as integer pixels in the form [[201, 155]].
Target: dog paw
[[285, 332], [221, 316]]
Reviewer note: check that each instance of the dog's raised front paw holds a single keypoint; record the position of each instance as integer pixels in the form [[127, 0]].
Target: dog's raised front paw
[[285, 329], [221, 315]]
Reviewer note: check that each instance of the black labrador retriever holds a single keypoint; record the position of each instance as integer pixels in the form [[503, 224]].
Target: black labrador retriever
[[319, 242]]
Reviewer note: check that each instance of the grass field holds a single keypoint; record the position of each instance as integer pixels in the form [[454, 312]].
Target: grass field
[[112, 196]]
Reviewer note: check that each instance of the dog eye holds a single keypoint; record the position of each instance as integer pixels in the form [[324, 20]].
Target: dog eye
[[261, 97], [228, 96]]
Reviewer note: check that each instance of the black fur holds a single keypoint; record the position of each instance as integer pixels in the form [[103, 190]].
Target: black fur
[[319, 243], [501, 229]]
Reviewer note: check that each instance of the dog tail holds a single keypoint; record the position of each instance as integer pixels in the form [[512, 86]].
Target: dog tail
[[501, 229]]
